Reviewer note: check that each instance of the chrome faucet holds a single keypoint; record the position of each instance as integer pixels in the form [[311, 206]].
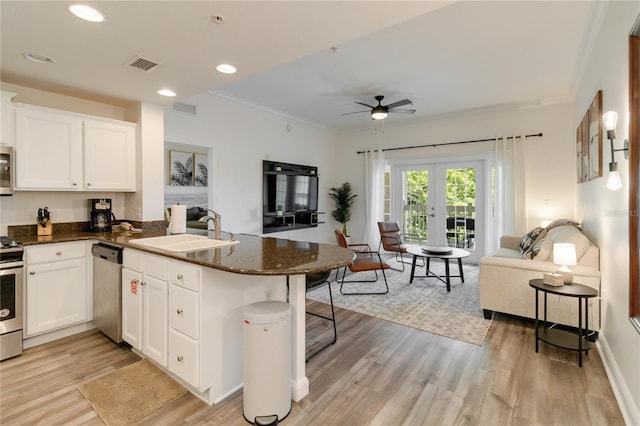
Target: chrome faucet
[[216, 222]]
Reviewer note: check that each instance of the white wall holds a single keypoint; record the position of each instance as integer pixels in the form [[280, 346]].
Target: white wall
[[604, 213], [550, 169], [241, 137]]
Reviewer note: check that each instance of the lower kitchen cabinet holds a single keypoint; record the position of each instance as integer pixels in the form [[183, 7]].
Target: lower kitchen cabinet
[[57, 287], [184, 357], [188, 319], [144, 304]]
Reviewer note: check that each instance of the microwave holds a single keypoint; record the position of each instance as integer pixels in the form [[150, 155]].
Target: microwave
[[6, 170]]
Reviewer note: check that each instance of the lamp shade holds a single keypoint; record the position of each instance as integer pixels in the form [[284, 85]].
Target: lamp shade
[[564, 254], [610, 119]]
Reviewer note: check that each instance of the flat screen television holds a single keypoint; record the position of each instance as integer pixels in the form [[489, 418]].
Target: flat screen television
[[294, 192]]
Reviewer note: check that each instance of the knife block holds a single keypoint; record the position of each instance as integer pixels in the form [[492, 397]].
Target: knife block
[[46, 230]]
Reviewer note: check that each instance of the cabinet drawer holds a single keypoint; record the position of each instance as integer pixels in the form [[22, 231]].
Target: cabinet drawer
[[184, 357], [155, 266], [183, 311], [55, 252], [132, 259], [184, 275]]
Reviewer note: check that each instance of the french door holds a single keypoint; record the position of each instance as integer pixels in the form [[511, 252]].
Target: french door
[[441, 204]]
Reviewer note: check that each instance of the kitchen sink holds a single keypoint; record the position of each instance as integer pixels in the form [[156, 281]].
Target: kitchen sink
[[182, 243]]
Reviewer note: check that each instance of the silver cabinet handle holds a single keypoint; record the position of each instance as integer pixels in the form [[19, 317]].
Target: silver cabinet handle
[[179, 276], [58, 253], [432, 215], [74, 183], [179, 311], [32, 273], [142, 283], [180, 358], [88, 183]]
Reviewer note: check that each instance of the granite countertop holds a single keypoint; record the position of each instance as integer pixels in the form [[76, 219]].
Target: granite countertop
[[253, 255]]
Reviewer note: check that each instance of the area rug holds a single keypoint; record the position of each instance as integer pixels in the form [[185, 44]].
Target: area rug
[[425, 304], [130, 393]]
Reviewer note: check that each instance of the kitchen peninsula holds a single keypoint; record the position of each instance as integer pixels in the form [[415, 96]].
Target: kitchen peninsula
[[219, 283]]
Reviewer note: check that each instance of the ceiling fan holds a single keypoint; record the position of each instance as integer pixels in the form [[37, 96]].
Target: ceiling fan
[[380, 112]]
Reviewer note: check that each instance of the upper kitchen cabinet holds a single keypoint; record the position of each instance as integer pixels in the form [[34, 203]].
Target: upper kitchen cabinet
[[109, 156], [62, 151], [7, 119]]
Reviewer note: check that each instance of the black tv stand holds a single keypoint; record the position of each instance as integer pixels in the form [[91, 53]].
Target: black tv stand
[[290, 197]]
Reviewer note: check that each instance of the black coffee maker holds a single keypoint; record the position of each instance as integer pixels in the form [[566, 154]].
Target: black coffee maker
[[100, 211]]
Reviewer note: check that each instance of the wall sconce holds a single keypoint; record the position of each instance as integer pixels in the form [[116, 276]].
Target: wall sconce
[[610, 120]]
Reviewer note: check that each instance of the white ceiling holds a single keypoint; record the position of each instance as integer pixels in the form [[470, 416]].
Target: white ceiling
[[444, 56]]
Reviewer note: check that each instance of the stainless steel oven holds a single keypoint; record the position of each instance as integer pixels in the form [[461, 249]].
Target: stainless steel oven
[[6, 170], [11, 298]]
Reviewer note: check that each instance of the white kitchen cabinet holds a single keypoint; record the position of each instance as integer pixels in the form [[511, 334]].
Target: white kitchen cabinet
[[63, 151], [57, 287], [132, 307], [185, 322], [109, 156], [7, 119], [48, 152], [144, 304]]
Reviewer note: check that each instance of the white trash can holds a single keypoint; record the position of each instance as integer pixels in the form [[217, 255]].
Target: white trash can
[[267, 362]]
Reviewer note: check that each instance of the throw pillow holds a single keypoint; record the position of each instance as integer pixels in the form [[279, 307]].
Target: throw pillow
[[535, 248], [529, 239]]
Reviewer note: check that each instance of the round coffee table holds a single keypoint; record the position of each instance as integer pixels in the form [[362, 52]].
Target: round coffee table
[[438, 253]]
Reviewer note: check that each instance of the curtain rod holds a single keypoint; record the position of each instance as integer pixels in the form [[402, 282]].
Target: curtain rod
[[534, 135]]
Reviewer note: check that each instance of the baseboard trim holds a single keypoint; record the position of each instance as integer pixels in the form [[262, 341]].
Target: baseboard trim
[[630, 412]]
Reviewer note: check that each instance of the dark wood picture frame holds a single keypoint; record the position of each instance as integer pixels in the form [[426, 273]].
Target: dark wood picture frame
[[595, 137], [589, 142], [634, 176]]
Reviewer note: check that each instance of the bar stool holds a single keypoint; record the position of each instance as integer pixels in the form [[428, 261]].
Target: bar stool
[[313, 280]]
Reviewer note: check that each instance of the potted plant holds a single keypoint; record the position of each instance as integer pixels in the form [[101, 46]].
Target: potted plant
[[279, 209], [344, 200]]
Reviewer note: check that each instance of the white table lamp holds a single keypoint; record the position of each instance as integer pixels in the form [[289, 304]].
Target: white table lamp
[[564, 254]]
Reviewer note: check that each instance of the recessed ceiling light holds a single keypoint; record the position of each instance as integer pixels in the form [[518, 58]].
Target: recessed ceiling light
[[226, 69], [41, 59], [166, 92], [86, 12]]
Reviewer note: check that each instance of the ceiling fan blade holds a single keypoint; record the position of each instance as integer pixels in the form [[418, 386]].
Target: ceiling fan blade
[[402, 111], [399, 103], [360, 103], [355, 112]]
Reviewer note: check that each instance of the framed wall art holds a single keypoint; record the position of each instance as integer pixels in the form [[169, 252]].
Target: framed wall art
[[181, 168], [201, 172], [589, 142], [595, 137]]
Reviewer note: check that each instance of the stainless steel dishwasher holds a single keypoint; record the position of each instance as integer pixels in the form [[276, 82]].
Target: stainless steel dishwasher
[[107, 290]]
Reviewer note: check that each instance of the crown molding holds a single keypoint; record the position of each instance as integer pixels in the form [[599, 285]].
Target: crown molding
[[592, 29]]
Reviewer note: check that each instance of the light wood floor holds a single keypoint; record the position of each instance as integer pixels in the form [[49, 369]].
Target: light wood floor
[[378, 373]]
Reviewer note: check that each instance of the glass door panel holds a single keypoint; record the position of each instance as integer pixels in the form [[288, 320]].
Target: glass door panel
[[440, 204], [415, 206]]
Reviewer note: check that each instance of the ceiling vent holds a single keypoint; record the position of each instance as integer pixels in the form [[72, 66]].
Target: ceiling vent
[[185, 108], [143, 64]]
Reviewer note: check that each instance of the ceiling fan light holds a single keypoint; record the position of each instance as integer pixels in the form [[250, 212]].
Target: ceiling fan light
[[379, 115], [87, 13]]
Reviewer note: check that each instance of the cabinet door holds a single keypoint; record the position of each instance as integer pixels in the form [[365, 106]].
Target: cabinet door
[[109, 156], [132, 308], [56, 295], [155, 319], [48, 150]]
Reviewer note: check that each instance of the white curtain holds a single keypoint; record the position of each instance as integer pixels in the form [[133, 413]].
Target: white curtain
[[374, 196], [509, 202]]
